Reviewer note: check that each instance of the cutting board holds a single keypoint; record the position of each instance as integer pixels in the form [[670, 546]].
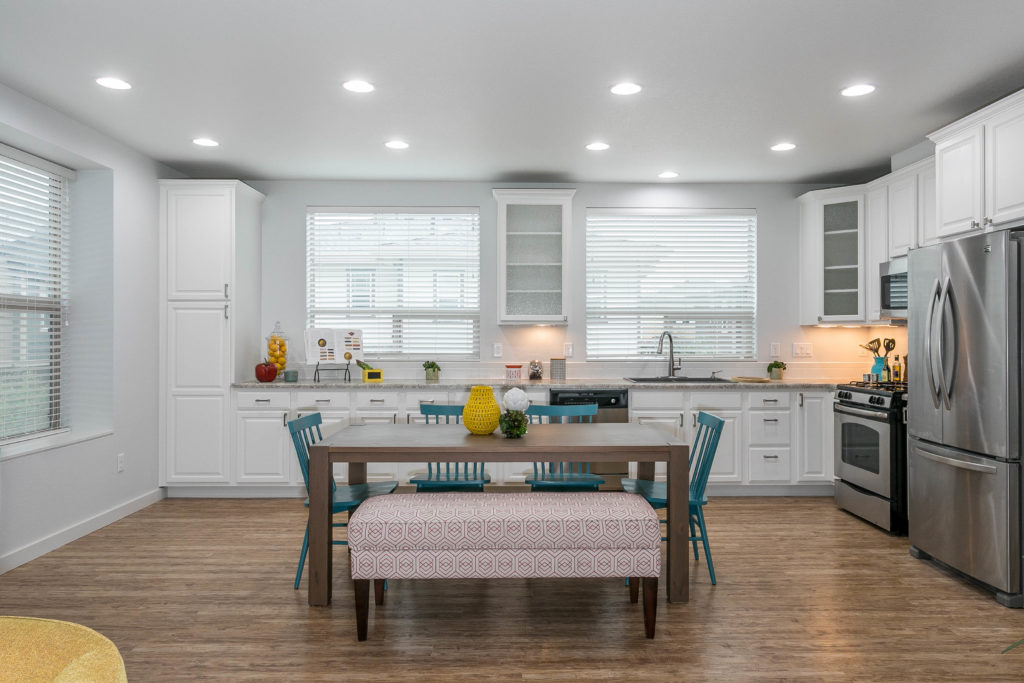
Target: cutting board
[[758, 380]]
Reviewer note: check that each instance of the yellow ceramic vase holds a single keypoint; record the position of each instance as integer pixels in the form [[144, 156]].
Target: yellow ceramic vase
[[481, 412]]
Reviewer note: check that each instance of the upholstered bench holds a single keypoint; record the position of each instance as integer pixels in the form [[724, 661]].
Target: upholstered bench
[[504, 535]]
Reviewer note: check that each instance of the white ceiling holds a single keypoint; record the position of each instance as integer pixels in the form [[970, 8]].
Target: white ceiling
[[495, 90]]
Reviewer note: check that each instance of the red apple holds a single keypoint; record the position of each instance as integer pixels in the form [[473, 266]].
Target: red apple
[[266, 371]]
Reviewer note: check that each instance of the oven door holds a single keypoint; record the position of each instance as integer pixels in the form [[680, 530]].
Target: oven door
[[863, 448]]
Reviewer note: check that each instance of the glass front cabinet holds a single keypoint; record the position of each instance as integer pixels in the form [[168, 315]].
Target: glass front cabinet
[[533, 241], [832, 281]]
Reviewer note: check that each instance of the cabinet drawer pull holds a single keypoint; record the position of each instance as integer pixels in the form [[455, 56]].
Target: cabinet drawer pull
[[770, 457], [769, 400], [322, 400], [376, 400], [426, 400], [769, 419], [261, 400]]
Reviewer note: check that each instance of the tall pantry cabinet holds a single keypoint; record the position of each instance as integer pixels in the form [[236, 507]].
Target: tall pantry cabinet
[[209, 322]]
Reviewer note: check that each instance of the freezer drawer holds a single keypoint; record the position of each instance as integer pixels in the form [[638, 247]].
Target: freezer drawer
[[965, 511]]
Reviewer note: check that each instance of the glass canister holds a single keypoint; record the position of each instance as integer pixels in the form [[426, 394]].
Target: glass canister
[[277, 347], [536, 369]]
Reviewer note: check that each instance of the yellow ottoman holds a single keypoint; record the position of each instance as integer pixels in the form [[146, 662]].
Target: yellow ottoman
[[47, 650]]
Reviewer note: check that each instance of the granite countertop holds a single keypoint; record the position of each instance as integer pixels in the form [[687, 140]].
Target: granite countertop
[[465, 384]]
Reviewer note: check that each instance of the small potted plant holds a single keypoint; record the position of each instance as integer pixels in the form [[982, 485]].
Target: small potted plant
[[513, 421], [432, 369], [775, 369]]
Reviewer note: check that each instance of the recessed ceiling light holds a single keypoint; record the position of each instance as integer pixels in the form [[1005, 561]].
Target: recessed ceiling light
[[667, 175], [114, 83], [598, 146], [396, 144], [858, 90], [626, 88], [783, 147], [205, 142], [358, 86]]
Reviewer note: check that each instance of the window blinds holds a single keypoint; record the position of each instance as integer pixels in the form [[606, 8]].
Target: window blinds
[[409, 278], [693, 273], [34, 240]]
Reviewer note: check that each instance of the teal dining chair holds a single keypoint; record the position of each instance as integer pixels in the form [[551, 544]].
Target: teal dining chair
[[449, 476], [705, 445], [563, 476], [305, 432]]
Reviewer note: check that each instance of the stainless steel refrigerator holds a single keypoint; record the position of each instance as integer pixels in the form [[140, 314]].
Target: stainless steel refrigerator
[[964, 417]]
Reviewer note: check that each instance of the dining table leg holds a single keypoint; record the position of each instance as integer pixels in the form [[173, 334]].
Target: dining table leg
[[320, 527], [678, 514]]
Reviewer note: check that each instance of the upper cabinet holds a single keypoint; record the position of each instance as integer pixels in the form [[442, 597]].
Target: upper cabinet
[[832, 256], [533, 245], [980, 169]]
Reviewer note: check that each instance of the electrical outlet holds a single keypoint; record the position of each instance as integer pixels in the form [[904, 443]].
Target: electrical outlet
[[776, 350], [120, 462], [803, 350], [497, 351], [567, 349]]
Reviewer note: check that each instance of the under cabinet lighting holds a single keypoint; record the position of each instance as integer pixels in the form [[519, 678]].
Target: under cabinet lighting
[[358, 86], [205, 142], [626, 88], [783, 147], [598, 146], [857, 90], [396, 144], [114, 83]]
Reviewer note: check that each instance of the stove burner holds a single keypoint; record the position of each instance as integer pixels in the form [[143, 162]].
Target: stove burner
[[884, 386]]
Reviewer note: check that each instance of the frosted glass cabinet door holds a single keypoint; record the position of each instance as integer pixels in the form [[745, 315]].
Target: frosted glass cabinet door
[[533, 228]]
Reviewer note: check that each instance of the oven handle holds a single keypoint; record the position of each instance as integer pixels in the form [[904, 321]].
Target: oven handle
[[870, 414], [961, 464]]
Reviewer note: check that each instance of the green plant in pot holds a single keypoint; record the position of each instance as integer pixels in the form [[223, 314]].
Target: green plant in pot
[[513, 422], [775, 369], [432, 369]]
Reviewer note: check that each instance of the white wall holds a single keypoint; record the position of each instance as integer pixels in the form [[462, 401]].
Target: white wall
[[53, 495], [835, 350]]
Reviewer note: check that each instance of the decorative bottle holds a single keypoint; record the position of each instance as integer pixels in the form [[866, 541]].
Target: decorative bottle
[[897, 370], [886, 371]]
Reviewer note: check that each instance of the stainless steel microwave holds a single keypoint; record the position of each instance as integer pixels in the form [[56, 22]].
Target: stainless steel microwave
[[892, 276]]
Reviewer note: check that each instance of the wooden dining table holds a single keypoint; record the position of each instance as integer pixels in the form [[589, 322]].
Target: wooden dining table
[[358, 445]]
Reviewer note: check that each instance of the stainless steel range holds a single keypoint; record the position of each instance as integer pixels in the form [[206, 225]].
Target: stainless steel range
[[871, 452]]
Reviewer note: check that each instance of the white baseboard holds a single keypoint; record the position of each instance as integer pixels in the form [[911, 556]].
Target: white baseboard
[[742, 490], [29, 552], [282, 491]]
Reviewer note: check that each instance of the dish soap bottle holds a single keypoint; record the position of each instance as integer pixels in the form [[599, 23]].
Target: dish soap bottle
[[897, 370]]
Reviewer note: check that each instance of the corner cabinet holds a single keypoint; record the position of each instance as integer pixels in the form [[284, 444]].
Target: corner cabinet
[[979, 163], [209, 322], [832, 256], [533, 244]]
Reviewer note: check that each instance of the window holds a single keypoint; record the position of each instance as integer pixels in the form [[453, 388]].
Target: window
[[34, 238], [691, 272], [409, 278]]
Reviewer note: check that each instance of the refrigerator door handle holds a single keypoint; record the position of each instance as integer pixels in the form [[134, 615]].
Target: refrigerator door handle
[[945, 296], [929, 361], [954, 323], [952, 462]]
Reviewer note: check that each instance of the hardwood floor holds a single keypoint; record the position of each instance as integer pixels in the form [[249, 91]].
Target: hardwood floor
[[202, 589]]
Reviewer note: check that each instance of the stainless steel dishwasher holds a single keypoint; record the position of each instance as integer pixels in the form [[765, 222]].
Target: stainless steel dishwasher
[[612, 406]]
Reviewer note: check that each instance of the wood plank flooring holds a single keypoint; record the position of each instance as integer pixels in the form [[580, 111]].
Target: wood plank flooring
[[202, 590]]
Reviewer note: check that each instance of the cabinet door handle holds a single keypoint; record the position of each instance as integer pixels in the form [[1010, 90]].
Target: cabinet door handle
[[225, 311], [769, 400], [769, 419], [695, 420], [975, 224], [801, 399], [261, 400], [284, 419], [394, 418], [770, 457], [225, 290], [988, 221], [376, 400], [680, 420], [322, 400]]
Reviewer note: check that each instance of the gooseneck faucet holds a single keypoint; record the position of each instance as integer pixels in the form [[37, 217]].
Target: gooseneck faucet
[[671, 352]]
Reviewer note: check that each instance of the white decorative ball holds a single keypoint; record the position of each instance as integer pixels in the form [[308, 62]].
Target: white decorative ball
[[516, 399]]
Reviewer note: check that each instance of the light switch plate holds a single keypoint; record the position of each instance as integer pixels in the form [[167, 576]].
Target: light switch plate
[[776, 350], [567, 350], [497, 351], [803, 350]]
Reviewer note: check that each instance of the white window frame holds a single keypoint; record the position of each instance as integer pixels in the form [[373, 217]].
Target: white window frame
[[631, 285], [408, 323], [34, 278]]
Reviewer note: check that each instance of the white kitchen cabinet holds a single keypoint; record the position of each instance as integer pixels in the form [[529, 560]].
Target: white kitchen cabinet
[[832, 256], [927, 226], [728, 463], [533, 245], [814, 437], [263, 447], [769, 437], [903, 214], [209, 286], [876, 209], [979, 164]]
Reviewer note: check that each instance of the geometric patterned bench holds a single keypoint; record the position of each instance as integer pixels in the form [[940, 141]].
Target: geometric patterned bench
[[504, 535]]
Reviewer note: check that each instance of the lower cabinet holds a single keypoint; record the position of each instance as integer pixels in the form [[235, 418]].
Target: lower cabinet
[[262, 446], [815, 428], [197, 440]]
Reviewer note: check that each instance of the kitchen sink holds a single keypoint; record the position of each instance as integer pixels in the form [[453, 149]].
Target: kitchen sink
[[681, 380]]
